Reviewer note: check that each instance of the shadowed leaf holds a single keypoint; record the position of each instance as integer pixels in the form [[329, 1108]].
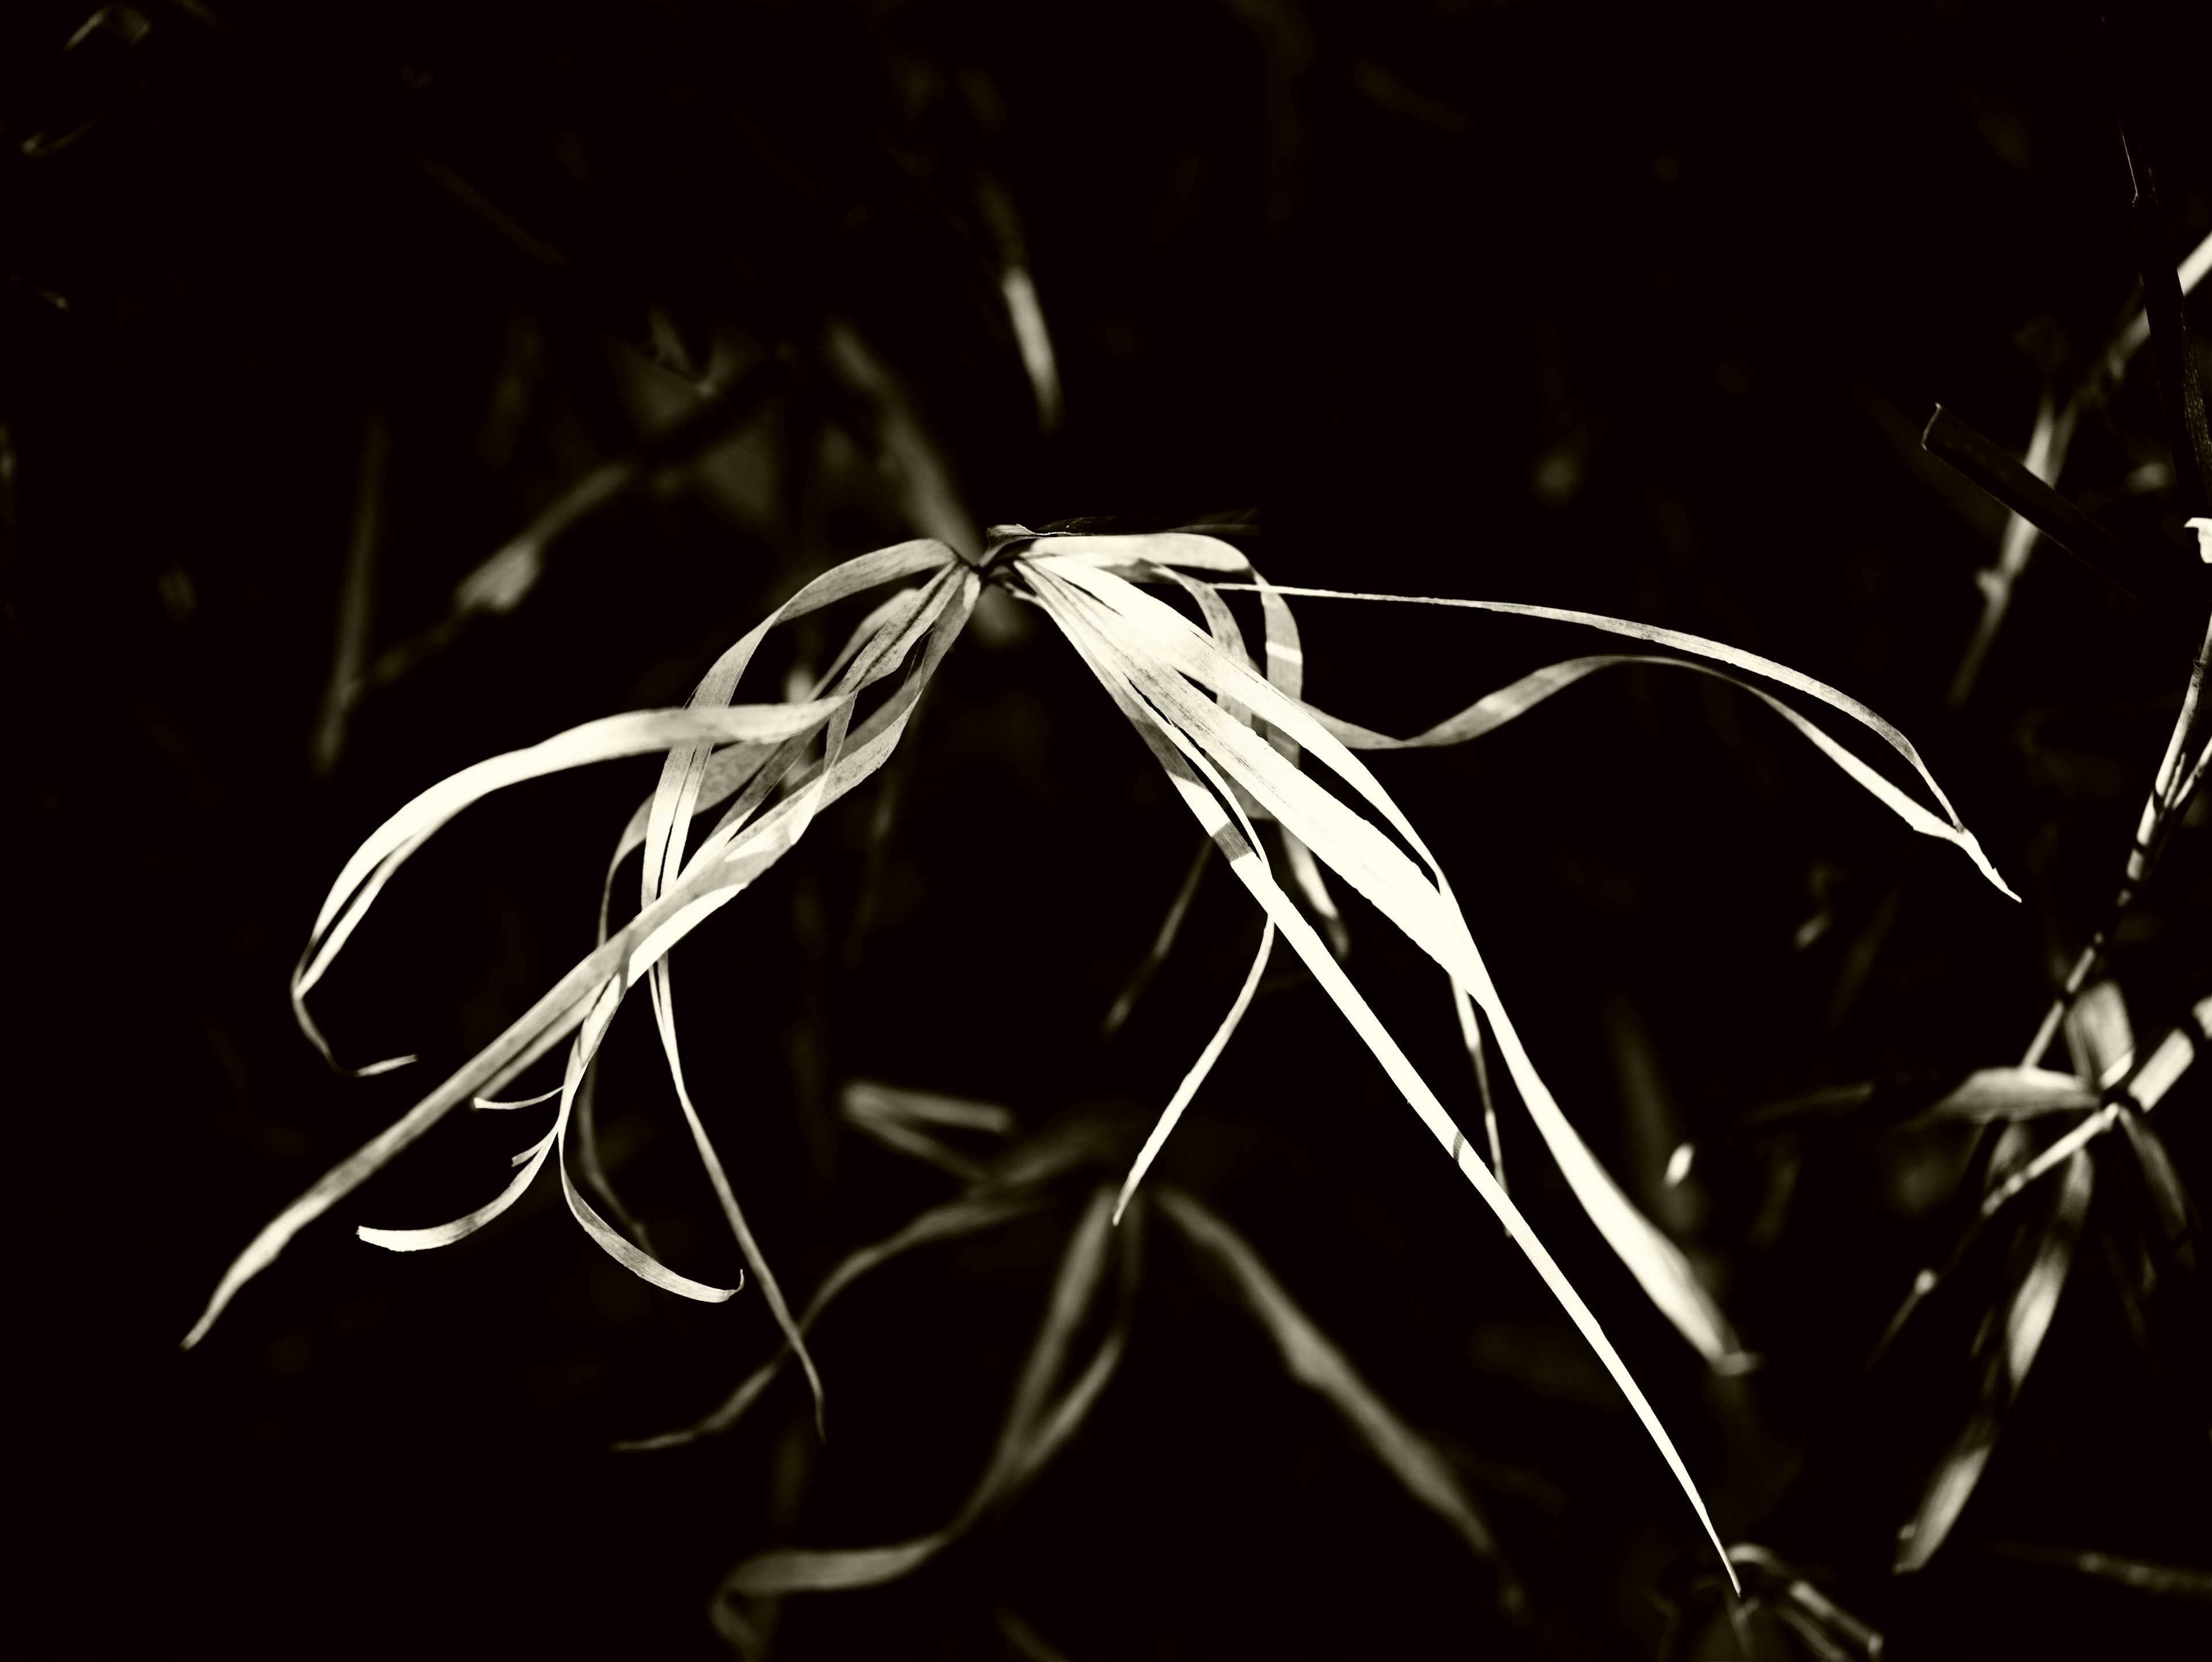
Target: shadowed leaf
[[1038, 1425], [1315, 1362]]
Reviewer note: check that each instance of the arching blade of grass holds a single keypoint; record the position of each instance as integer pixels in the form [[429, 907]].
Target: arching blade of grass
[[557, 1013], [1038, 1425], [902, 626], [1949, 828], [730, 768], [662, 985], [1155, 659], [739, 856], [588, 1162], [1191, 772], [2007, 1351], [531, 1160], [1511, 702], [1315, 1362], [373, 865], [681, 774]]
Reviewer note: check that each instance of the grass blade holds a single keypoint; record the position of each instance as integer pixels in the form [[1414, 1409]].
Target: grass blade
[[1316, 1363], [1387, 878], [1188, 768], [739, 856], [1196, 1075], [1955, 829], [588, 1163], [681, 774], [372, 864], [664, 1012]]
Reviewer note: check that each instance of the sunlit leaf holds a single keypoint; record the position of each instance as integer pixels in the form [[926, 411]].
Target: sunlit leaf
[[1191, 771], [1155, 646], [730, 860], [1949, 828]]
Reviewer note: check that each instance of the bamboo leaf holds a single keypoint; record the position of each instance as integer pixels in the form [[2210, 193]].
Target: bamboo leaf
[[664, 1011], [373, 865], [1955, 829], [1196, 1075], [1187, 767], [681, 774], [1376, 867], [730, 862]]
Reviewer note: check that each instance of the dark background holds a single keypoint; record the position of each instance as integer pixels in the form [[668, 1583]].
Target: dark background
[[1633, 310]]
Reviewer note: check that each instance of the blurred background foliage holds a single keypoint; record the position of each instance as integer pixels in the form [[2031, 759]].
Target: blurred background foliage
[[382, 387]]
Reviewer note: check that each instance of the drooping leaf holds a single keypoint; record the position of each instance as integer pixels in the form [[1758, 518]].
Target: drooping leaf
[[731, 859], [1376, 866], [1196, 1076], [373, 865], [664, 1012], [1949, 828], [1191, 772]]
